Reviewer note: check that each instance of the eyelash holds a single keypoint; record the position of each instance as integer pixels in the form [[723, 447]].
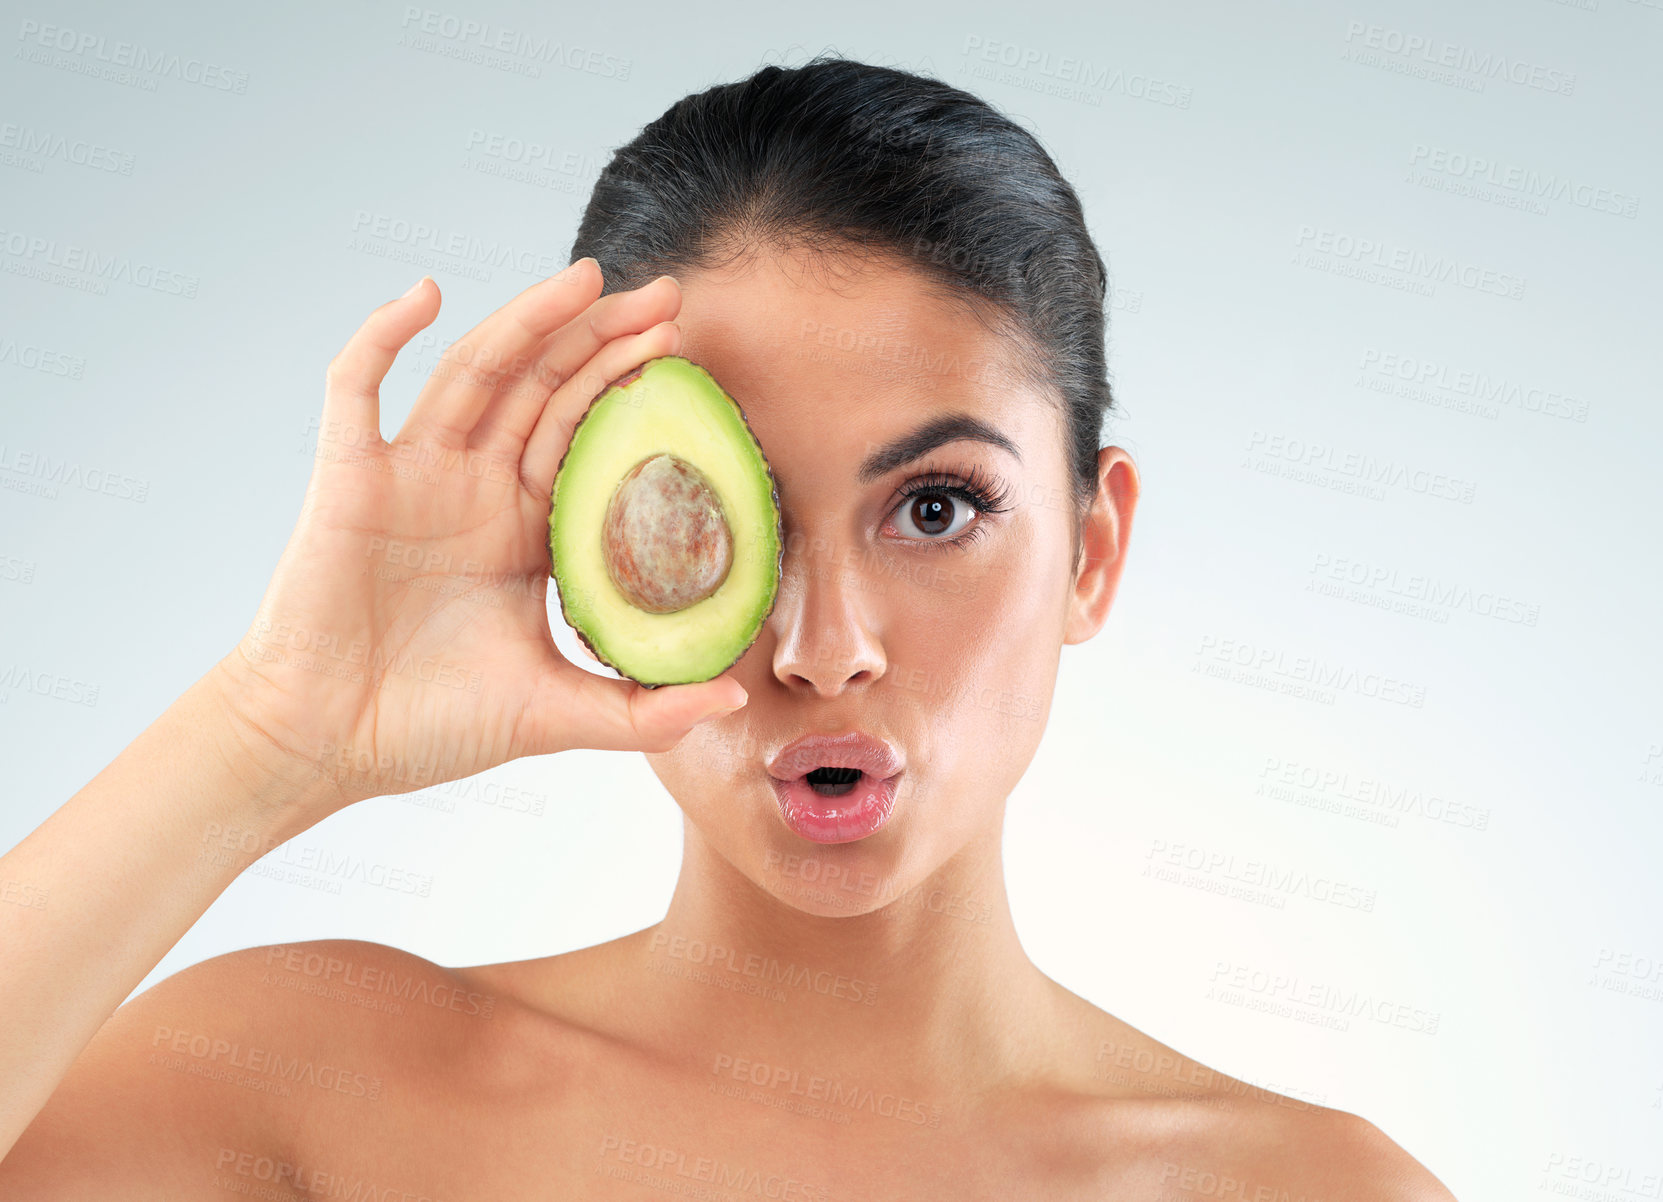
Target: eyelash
[[986, 494]]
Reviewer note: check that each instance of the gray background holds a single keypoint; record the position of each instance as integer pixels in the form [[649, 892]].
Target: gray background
[[1278, 191]]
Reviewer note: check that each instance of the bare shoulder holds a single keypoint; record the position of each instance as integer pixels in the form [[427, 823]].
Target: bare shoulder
[[242, 1060], [1270, 1150], [1169, 1124], [565, 993]]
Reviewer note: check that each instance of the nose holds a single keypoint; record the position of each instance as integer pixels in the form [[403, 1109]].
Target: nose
[[824, 640]]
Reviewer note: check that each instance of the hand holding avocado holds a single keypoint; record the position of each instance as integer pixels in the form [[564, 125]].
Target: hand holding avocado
[[404, 638]]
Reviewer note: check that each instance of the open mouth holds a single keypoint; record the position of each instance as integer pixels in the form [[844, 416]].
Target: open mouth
[[833, 782], [833, 803], [836, 788]]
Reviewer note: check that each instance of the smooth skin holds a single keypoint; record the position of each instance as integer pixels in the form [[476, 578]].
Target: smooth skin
[[873, 1028]]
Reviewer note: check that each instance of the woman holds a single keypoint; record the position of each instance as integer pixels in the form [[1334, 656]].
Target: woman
[[899, 287]]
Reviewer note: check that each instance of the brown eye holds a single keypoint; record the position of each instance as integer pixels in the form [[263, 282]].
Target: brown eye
[[950, 510], [932, 513]]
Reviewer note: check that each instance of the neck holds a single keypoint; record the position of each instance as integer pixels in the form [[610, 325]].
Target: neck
[[928, 984]]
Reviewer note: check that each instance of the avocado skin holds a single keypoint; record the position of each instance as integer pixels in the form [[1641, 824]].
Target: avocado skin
[[774, 493]]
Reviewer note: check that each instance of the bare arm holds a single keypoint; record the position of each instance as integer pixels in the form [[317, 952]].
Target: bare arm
[[358, 678], [113, 879]]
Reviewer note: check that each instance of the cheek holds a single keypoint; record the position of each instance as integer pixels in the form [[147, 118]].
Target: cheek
[[974, 641], [699, 771], [1006, 588]]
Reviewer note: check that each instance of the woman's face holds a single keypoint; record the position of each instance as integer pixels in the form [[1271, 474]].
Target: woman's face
[[922, 620]]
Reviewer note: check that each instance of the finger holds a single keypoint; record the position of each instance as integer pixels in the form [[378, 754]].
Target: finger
[[352, 383], [512, 414], [492, 354], [559, 418], [573, 708]]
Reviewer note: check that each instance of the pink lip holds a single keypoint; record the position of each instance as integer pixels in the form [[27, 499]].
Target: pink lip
[[842, 819], [856, 749], [856, 814]]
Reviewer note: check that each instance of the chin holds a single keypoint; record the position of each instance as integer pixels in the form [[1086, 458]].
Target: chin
[[832, 880], [822, 903]]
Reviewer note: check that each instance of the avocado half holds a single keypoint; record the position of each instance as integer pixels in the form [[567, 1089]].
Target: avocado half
[[665, 538]]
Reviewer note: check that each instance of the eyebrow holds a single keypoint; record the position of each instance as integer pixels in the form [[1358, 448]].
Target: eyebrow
[[948, 427]]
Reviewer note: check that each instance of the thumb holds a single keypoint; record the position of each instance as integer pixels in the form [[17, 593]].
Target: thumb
[[574, 708], [662, 715]]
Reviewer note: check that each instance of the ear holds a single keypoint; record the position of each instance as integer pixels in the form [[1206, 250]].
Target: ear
[[1105, 531]]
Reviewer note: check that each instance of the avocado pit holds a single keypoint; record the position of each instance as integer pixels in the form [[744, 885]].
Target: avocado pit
[[666, 540]]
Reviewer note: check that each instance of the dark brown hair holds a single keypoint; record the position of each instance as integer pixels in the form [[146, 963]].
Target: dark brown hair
[[843, 156]]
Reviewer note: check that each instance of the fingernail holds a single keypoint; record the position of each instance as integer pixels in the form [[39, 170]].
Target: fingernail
[[566, 272], [413, 287], [731, 708], [671, 278]]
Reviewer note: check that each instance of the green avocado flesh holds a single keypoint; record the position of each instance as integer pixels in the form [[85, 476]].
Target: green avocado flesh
[[664, 532]]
